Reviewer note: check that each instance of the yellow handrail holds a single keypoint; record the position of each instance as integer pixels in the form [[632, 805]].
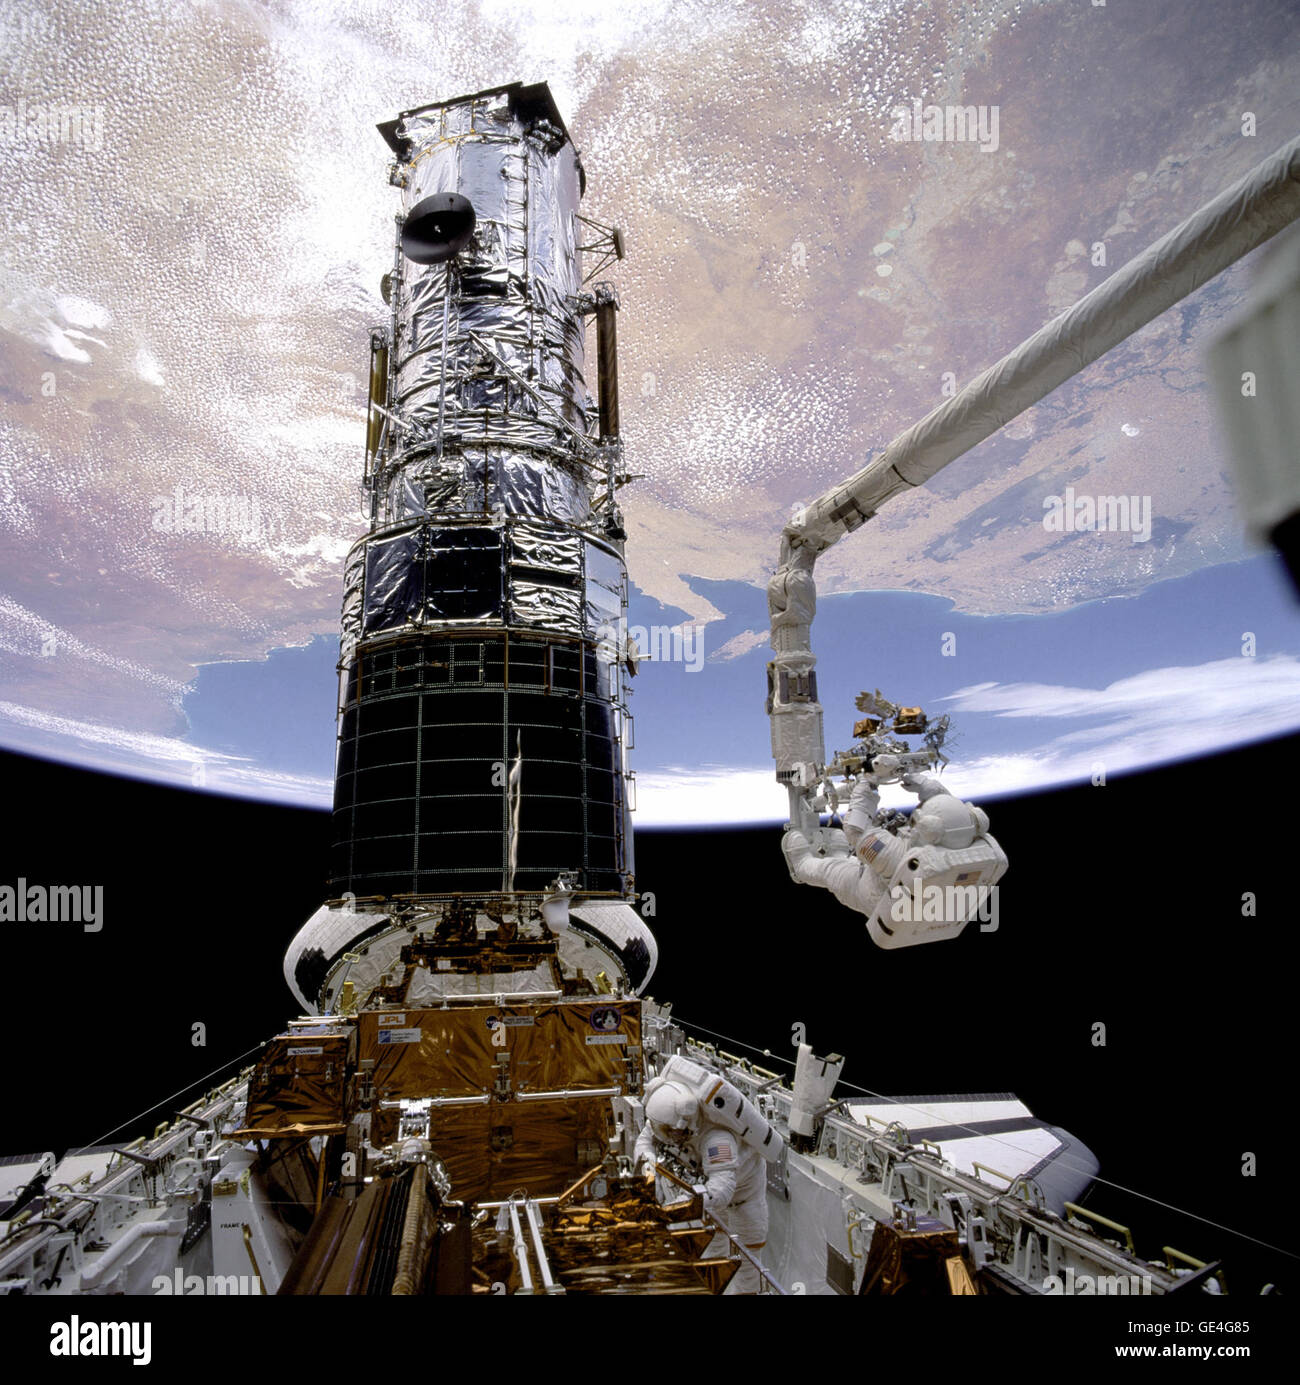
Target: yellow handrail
[[1076, 1210]]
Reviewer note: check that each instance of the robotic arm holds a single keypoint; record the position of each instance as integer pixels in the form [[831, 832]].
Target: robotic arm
[[1244, 216]]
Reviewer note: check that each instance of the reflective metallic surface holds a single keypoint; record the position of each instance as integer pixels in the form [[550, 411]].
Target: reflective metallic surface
[[482, 708]]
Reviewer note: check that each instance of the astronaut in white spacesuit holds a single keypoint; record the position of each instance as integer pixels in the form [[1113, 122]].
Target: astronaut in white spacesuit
[[862, 860], [734, 1175]]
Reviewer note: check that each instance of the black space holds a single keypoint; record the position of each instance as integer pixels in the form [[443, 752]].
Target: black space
[[1122, 905]]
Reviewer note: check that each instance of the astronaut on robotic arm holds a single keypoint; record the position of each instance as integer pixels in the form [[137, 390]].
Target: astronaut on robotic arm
[[871, 868]]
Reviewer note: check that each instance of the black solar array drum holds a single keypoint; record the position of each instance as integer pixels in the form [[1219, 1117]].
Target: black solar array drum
[[446, 733]]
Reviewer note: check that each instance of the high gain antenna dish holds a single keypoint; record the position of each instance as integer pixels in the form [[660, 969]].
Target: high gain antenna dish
[[438, 228]]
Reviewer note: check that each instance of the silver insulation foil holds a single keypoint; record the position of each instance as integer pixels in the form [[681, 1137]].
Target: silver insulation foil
[[544, 547], [540, 576], [481, 481], [512, 457], [509, 389]]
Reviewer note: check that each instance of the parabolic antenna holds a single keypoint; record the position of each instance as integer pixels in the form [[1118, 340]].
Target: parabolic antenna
[[438, 228]]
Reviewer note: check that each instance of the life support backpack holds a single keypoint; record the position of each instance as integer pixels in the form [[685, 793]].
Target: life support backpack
[[721, 1103]]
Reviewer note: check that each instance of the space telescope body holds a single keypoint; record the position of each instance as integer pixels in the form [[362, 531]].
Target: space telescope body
[[483, 709]]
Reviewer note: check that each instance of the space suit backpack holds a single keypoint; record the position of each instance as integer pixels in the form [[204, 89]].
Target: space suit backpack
[[720, 1104]]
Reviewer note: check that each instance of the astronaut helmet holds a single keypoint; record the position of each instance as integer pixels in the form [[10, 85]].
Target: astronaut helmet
[[673, 1112], [948, 822]]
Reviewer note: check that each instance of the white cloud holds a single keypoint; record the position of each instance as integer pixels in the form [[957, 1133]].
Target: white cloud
[[24, 632], [159, 759], [721, 795], [1226, 700], [147, 368], [704, 795], [81, 312], [1151, 718]]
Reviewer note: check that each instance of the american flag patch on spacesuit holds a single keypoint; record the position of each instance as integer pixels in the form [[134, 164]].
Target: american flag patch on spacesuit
[[722, 1150]]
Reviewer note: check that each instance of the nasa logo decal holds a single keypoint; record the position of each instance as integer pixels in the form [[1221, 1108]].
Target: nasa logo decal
[[606, 1018]]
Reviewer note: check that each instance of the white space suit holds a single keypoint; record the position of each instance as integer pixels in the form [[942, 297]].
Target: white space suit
[[870, 869], [734, 1175]]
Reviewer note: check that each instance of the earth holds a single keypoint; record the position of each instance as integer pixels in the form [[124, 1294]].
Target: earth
[[197, 220]]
